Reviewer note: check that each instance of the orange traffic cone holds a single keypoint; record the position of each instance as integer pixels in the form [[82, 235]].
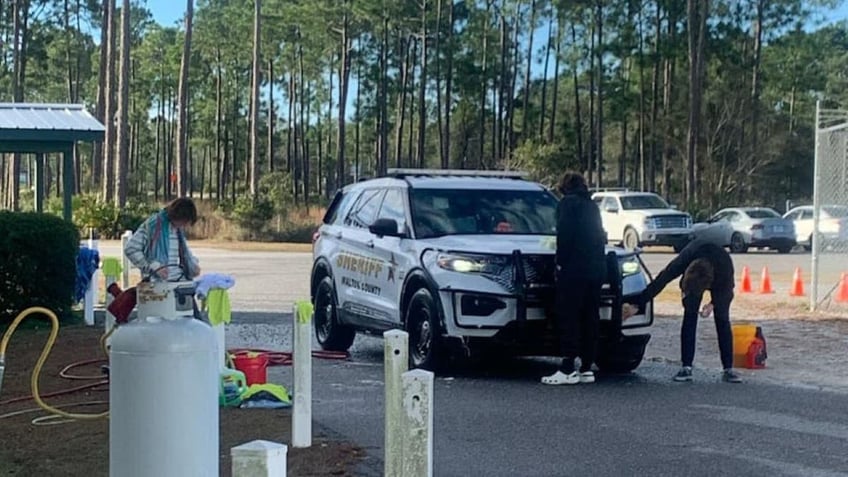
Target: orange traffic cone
[[746, 280], [765, 282], [842, 293], [797, 283]]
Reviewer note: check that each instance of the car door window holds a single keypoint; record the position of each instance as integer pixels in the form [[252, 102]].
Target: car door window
[[807, 214], [792, 216], [610, 204], [734, 216], [338, 208], [393, 208], [364, 212]]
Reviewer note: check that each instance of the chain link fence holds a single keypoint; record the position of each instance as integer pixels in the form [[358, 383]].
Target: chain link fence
[[828, 234]]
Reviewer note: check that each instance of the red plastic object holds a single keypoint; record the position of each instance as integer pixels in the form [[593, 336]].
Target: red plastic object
[[253, 365], [755, 358]]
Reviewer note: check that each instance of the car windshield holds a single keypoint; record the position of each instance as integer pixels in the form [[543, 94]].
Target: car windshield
[[644, 201], [762, 214], [437, 212]]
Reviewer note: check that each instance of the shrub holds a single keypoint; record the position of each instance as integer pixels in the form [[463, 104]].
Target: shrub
[[252, 215], [105, 217], [37, 262]]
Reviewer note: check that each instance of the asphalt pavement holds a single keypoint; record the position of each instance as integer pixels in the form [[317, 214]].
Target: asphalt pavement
[[498, 420]]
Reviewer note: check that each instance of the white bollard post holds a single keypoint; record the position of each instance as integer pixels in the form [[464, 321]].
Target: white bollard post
[[221, 334], [259, 459], [125, 263], [418, 423], [302, 361], [395, 363], [88, 301]]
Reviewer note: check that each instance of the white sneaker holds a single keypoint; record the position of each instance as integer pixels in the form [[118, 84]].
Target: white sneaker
[[561, 378], [587, 377]]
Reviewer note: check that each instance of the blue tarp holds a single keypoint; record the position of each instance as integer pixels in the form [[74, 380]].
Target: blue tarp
[[88, 261]]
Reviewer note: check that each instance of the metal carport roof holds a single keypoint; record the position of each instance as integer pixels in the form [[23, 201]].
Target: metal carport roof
[[48, 128]]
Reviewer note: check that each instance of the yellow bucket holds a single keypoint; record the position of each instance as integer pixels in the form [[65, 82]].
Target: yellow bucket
[[743, 336]]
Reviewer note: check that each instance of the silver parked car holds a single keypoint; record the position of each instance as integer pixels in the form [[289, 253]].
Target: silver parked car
[[741, 228], [833, 224]]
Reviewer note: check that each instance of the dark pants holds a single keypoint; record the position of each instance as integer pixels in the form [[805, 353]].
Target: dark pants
[[721, 313], [578, 315]]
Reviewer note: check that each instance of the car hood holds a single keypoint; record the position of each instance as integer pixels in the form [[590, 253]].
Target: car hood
[[499, 244], [658, 212]]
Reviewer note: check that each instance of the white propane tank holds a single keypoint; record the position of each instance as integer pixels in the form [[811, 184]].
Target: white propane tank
[[163, 399], [165, 299]]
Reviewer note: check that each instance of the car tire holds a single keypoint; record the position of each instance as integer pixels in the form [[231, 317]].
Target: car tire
[[331, 335], [630, 240], [784, 249], [422, 324], [621, 355], [737, 243]]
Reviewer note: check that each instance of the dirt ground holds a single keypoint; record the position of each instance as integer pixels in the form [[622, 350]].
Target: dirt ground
[[82, 447], [805, 349]]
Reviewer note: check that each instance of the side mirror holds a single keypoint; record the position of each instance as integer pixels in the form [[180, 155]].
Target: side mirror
[[672, 206], [611, 209], [385, 228]]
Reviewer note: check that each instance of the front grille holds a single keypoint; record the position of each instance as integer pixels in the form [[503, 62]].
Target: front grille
[[539, 272], [671, 222]]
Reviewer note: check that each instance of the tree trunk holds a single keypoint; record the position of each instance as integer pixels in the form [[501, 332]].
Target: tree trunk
[[440, 124], [525, 125], [755, 77], [121, 171], [655, 100], [599, 136], [100, 109], [271, 116], [555, 92], [344, 86], [422, 91], [577, 116], [668, 99], [254, 103], [502, 84], [697, 18], [449, 83], [304, 179], [109, 110], [400, 113], [219, 111], [383, 101], [357, 115], [182, 124], [544, 101], [483, 91], [510, 105]]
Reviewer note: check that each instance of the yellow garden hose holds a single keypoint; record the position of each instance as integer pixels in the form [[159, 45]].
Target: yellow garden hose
[[36, 372]]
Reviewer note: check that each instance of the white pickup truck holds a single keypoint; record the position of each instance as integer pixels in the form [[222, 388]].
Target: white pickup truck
[[636, 219]]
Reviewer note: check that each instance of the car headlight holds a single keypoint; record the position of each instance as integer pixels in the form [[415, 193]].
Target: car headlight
[[469, 263], [630, 266], [650, 223]]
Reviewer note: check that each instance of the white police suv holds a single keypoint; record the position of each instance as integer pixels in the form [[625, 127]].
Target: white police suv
[[461, 260]]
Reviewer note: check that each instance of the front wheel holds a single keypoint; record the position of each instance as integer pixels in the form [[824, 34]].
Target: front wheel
[[737, 243], [331, 335], [621, 355], [422, 324], [631, 239]]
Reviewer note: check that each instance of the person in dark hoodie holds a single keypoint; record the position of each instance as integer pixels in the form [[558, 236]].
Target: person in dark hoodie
[[580, 273], [703, 266]]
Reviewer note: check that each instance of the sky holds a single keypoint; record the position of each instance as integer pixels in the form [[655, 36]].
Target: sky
[[170, 12]]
